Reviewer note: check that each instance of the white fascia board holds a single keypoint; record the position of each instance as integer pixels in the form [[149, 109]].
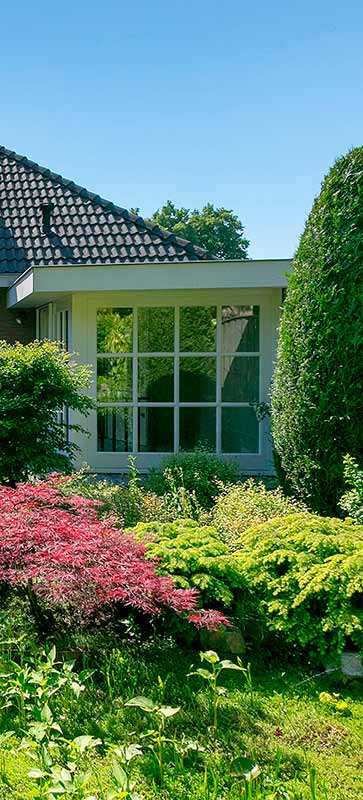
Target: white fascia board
[[40, 283]]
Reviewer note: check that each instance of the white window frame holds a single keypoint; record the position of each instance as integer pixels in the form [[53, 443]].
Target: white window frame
[[218, 354], [84, 342]]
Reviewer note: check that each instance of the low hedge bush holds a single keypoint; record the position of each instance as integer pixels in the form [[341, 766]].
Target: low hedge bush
[[306, 573], [200, 473], [194, 557], [249, 503]]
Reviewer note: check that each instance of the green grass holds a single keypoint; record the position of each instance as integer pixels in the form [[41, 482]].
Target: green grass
[[282, 723]]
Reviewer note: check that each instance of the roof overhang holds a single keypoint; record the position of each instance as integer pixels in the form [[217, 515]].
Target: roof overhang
[[39, 285]]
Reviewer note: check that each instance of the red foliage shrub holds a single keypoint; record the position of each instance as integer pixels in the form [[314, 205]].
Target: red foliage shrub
[[74, 560]]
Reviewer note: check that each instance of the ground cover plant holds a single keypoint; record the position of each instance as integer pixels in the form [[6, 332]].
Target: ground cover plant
[[138, 723], [317, 399]]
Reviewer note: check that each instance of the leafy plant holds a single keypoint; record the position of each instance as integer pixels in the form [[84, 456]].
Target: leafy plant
[[156, 739], [55, 549], [36, 381], [127, 504], [211, 676], [352, 499], [198, 473], [305, 574], [317, 399], [239, 507], [193, 556], [121, 777]]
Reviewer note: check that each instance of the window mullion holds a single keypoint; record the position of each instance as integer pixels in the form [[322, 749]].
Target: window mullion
[[176, 378], [218, 381], [135, 383]]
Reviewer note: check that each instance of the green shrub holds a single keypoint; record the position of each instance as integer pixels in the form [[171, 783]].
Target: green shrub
[[194, 556], [129, 503], [249, 503], [352, 500], [306, 574], [36, 381], [198, 473], [317, 401]]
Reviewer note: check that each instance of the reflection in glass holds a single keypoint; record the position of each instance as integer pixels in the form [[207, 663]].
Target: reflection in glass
[[114, 430], [156, 430], [43, 323], [155, 330], [240, 379], [197, 428], [240, 430], [156, 379], [197, 378], [114, 330], [240, 329], [198, 326], [114, 380]]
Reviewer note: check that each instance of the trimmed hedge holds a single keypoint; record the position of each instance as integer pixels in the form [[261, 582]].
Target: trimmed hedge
[[317, 402]]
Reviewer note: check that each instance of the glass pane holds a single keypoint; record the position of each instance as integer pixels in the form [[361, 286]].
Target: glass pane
[[197, 428], [114, 380], [240, 379], [197, 378], [156, 430], [114, 330], [239, 430], [156, 380], [114, 430], [156, 330], [198, 326], [43, 323], [240, 329]]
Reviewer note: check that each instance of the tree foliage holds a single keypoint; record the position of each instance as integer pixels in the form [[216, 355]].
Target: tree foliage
[[218, 230], [317, 404], [37, 381]]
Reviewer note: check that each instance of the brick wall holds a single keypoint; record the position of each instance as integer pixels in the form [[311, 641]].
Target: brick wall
[[10, 329]]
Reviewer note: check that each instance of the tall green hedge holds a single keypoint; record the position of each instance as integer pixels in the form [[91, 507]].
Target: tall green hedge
[[317, 404]]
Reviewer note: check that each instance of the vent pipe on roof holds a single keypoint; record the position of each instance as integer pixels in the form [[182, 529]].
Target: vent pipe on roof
[[46, 209]]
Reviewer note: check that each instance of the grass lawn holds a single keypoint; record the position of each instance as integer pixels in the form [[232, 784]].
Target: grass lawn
[[283, 724]]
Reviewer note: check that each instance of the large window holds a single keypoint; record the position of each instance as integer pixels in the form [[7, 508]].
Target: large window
[[175, 378]]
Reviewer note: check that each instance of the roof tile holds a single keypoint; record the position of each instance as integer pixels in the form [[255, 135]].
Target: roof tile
[[85, 228]]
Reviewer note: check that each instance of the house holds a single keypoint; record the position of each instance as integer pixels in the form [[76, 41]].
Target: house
[[182, 344]]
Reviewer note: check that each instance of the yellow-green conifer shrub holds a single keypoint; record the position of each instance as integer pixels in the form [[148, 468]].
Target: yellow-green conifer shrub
[[306, 575]]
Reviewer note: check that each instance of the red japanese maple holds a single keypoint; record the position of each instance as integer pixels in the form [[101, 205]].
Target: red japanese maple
[[72, 559]]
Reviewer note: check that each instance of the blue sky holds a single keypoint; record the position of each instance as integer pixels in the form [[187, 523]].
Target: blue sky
[[242, 104]]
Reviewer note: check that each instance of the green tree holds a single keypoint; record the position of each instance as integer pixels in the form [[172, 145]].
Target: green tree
[[317, 403], [37, 381], [218, 230]]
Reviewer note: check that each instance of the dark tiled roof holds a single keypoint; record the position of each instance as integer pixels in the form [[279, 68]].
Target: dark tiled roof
[[85, 229]]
